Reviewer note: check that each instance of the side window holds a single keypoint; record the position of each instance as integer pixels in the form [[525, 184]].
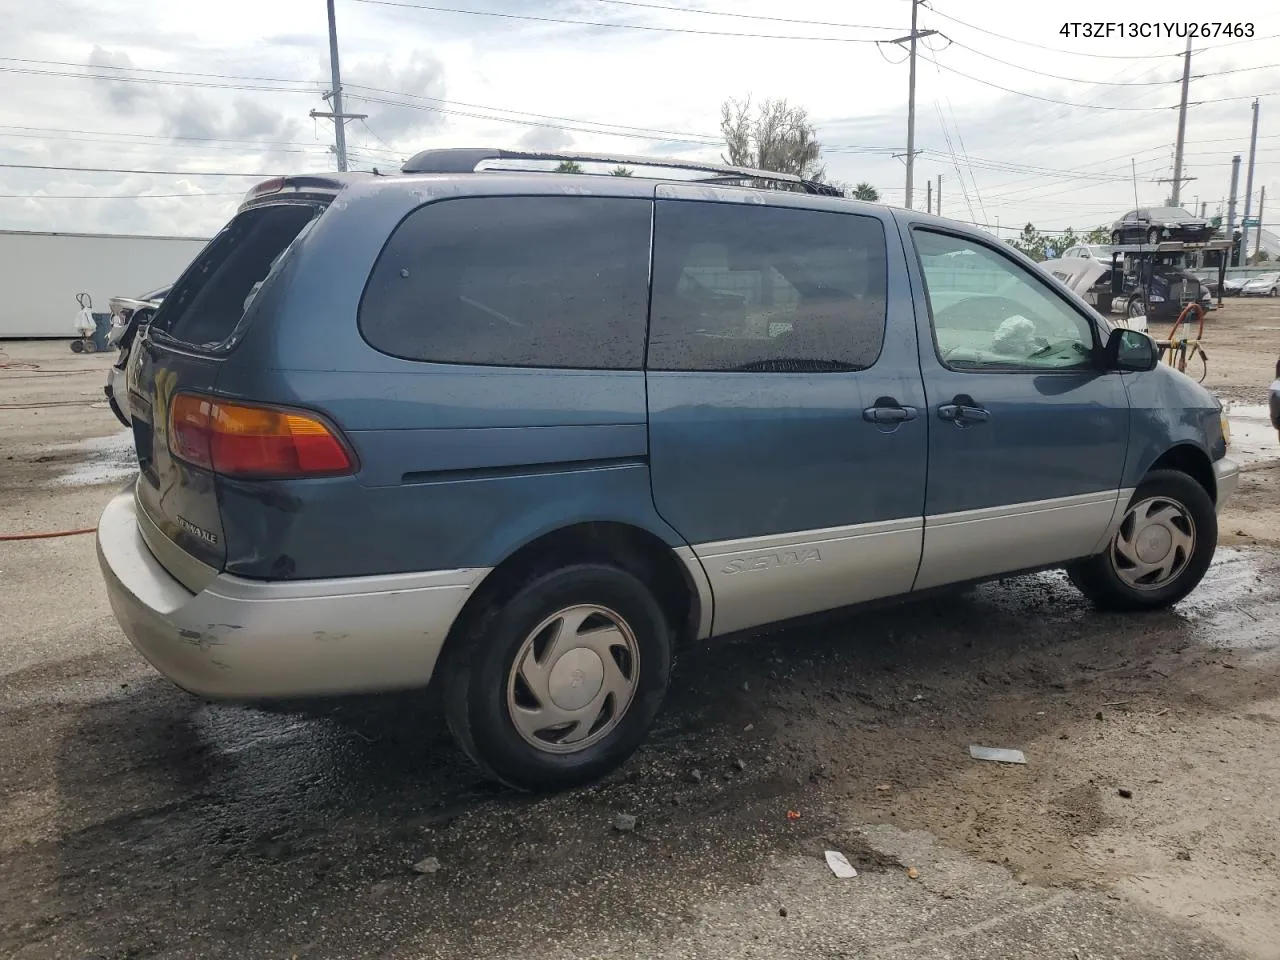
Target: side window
[[991, 313], [748, 288], [515, 281]]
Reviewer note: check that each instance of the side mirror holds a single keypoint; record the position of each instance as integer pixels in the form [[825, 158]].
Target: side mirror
[[1131, 351]]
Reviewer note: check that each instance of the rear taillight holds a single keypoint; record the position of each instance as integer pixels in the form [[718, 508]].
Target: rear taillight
[[247, 440]]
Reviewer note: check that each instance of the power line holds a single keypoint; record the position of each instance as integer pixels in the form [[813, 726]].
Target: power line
[[113, 196], [170, 73], [748, 16], [1061, 103], [1040, 46], [1056, 76], [143, 144], [618, 26], [1100, 106], [157, 173], [257, 88]]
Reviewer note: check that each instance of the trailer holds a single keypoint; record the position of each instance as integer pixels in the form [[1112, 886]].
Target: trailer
[[1154, 280], [41, 275]]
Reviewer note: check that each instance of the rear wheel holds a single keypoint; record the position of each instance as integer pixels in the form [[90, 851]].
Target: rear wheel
[[1153, 236], [1160, 552], [560, 684], [1116, 237]]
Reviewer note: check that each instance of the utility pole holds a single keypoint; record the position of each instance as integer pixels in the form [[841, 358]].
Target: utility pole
[[1262, 198], [928, 196], [1231, 206], [911, 94], [1248, 183], [336, 115], [937, 205], [1182, 126]]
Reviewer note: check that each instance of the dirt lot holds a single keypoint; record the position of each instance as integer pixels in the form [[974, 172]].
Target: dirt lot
[[137, 822]]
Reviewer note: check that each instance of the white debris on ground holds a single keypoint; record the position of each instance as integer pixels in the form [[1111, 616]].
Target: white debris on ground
[[1253, 438], [107, 459]]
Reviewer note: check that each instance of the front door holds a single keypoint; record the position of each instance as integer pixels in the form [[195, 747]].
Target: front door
[[787, 429], [1027, 433]]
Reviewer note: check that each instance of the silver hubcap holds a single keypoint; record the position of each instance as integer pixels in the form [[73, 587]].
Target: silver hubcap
[[573, 679], [1154, 545]]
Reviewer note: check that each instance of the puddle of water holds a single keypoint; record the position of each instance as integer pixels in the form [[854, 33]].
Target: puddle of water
[[1253, 439], [107, 459]]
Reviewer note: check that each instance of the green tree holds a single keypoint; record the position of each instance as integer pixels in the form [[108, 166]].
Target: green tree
[[1031, 242], [620, 172], [1098, 235], [865, 191], [569, 166]]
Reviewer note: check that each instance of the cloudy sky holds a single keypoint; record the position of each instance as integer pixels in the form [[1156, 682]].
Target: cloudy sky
[[1009, 111]]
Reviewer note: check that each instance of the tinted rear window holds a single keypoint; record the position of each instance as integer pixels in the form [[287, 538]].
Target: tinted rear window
[[746, 288], [515, 281], [206, 304]]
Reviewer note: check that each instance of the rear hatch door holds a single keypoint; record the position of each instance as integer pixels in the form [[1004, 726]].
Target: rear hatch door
[[182, 351]]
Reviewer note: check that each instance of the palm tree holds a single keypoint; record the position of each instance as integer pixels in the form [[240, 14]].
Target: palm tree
[[569, 166], [865, 191], [620, 172]]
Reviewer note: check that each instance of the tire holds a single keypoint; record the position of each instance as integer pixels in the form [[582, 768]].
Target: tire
[[1117, 237], [77, 346], [1153, 236], [1135, 308], [1112, 580], [485, 685], [1275, 292]]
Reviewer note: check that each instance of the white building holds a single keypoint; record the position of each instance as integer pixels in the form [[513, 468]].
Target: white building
[[41, 273]]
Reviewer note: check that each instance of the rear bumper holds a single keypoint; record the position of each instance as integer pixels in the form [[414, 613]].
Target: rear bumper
[[1227, 474], [246, 639]]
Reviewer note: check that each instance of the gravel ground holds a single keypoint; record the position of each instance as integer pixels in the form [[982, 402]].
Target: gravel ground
[[136, 821]]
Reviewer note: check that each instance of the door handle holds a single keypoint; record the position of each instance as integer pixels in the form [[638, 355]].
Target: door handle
[[888, 410], [964, 413]]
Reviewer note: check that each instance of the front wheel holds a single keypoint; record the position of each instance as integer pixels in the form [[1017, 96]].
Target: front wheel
[[1116, 237], [1153, 236], [560, 684], [1160, 552], [1137, 308]]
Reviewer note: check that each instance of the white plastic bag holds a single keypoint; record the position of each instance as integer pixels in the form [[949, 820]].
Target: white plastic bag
[[85, 324]]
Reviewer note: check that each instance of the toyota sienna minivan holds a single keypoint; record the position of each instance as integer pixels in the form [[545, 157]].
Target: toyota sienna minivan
[[524, 435]]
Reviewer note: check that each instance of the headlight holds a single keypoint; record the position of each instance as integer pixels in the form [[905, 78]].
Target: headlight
[[1155, 298]]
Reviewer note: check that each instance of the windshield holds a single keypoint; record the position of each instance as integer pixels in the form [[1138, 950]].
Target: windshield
[[1172, 213]]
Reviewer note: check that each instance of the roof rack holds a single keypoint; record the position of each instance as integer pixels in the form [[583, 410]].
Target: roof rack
[[468, 159]]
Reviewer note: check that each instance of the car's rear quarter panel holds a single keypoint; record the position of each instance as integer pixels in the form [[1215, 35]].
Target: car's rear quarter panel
[[458, 465]]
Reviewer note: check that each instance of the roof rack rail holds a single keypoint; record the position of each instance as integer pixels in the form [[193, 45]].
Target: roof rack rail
[[468, 159]]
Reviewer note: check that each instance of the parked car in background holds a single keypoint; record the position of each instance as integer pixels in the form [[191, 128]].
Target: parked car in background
[[1232, 285], [1088, 251], [1263, 285], [1156, 224], [531, 435], [127, 315]]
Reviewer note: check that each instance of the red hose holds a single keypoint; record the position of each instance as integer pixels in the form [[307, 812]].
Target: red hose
[[46, 536]]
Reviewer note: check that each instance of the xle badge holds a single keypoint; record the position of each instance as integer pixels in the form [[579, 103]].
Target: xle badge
[[191, 528]]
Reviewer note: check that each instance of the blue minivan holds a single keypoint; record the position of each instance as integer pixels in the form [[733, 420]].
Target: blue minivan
[[526, 434]]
